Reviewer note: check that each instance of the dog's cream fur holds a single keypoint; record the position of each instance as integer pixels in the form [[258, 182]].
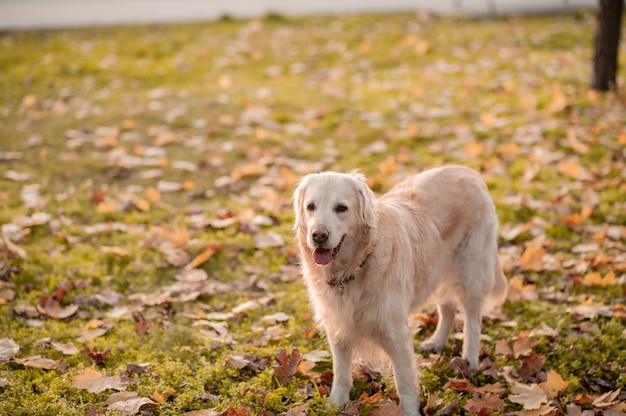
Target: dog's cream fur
[[431, 236]]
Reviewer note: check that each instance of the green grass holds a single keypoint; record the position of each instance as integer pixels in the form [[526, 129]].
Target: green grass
[[233, 112]]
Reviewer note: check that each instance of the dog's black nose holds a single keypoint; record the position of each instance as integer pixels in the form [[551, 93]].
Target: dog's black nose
[[320, 236]]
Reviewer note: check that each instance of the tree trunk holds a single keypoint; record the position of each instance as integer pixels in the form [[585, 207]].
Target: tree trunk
[[606, 44]]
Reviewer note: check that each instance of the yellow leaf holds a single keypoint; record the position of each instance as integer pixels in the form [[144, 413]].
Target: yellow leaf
[[554, 384]]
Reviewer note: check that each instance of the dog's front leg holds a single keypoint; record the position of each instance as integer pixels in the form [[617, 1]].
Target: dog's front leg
[[399, 347], [342, 371]]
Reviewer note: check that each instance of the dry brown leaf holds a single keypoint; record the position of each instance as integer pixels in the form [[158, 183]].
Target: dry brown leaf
[[8, 348], [534, 252], [268, 240], [502, 348], [485, 406], [543, 410], [387, 408], [287, 364], [520, 291], [523, 345], [607, 399], [36, 361], [530, 396], [596, 279], [95, 382], [554, 384], [53, 309], [302, 410], [130, 406]]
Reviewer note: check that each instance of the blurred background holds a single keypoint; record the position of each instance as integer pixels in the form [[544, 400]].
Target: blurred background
[[33, 14]]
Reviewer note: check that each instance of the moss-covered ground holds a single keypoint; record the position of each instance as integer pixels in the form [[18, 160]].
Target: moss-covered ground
[[147, 263]]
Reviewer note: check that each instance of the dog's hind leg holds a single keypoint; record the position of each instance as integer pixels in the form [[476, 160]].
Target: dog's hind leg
[[446, 312], [342, 371], [398, 344]]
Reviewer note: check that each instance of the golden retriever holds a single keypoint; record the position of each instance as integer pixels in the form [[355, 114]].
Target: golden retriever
[[368, 263]]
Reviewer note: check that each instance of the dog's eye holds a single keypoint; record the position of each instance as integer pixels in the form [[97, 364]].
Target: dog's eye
[[310, 207], [341, 208]]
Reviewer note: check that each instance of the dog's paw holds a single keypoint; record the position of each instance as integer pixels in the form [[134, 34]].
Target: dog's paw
[[433, 345], [338, 398]]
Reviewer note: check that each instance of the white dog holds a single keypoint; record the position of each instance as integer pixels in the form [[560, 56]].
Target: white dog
[[369, 263]]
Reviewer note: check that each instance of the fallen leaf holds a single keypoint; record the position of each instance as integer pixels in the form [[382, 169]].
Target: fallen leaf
[[387, 408], [201, 258], [596, 279], [485, 406], [8, 348], [543, 410], [554, 384], [534, 252], [518, 290], [53, 309], [530, 396], [95, 382], [462, 385], [302, 410], [36, 361], [523, 345], [130, 406], [287, 364], [268, 240], [607, 399]]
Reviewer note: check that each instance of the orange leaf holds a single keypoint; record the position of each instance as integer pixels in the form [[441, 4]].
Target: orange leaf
[[153, 194], [201, 258], [571, 168], [595, 279], [105, 207], [142, 205], [554, 384], [532, 258], [366, 398], [388, 166], [474, 148]]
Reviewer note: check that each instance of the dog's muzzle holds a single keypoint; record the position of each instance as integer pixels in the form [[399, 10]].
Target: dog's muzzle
[[323, 256]]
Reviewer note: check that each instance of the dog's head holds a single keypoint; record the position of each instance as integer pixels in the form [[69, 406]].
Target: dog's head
[[331, 208]]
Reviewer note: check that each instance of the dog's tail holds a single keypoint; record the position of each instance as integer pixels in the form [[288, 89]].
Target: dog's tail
[[499, 291]]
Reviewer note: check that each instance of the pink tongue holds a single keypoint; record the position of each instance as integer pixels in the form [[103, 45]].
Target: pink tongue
[[322, 256]]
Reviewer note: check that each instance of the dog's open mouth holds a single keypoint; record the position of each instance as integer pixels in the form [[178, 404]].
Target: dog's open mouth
[[323, 256]]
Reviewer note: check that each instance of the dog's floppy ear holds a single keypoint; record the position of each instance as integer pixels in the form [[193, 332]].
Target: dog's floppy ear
[[366, 200], [298, 197]]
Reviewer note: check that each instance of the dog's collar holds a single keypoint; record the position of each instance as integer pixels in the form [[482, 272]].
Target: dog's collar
[[340, 281]]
